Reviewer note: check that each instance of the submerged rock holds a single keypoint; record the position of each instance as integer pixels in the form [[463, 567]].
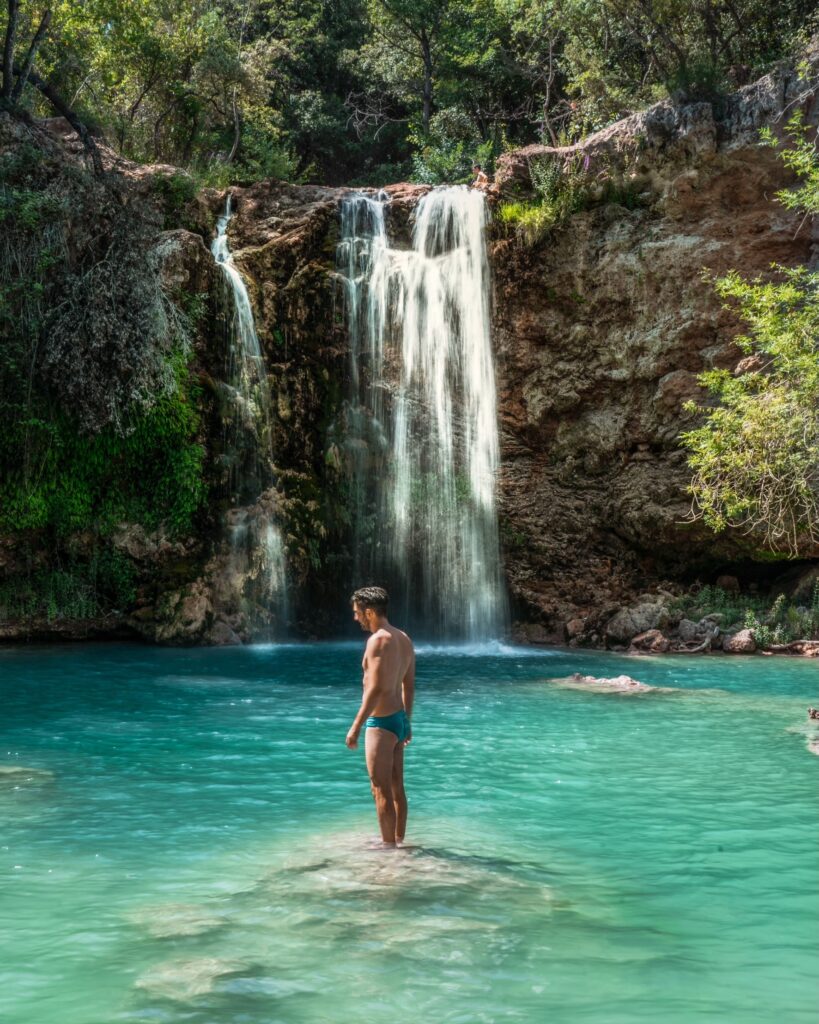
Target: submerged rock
[[173, 920], [182, 980], [594, 684], [17, 776]]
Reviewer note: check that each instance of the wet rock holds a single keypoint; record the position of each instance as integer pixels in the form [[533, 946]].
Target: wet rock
[[653, 641], [18, 776], [221, 635], [174, 920], [593, 684], [183, 980], [740, 643]]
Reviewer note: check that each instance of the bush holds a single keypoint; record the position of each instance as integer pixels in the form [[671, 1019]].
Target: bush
[[756, 456], [561, 190]]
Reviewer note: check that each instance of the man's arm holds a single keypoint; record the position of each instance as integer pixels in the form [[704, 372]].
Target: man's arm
[[373, 684], [408, 692]]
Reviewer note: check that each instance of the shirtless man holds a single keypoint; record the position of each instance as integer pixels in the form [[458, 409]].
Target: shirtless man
[[481, 179], [386, 707]]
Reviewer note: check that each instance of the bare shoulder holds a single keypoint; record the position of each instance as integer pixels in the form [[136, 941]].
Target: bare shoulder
[[377, 643]]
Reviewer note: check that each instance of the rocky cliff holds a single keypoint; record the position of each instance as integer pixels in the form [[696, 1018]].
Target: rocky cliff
[[600, 331]]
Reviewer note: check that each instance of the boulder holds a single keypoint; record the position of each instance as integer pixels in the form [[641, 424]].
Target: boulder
[[630, 622], [653, 641], [729, 583], [574, 627], [740, 643], [221, 635], [689, 630]]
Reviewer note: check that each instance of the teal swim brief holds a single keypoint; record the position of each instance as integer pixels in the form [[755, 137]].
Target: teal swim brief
[[397, 723]]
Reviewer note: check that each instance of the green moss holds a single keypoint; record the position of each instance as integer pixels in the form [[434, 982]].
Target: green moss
[[56, 478]]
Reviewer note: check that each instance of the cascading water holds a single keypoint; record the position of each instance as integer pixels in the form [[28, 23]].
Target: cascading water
[[255, 539], [422, 441]]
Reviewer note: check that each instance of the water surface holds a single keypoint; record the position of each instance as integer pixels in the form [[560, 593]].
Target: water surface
[[187, 842]]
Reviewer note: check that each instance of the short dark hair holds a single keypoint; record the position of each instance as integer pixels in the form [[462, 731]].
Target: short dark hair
[[371, 597]]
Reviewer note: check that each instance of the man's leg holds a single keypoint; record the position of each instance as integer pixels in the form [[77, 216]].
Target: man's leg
[[380, 746], [399, 797]]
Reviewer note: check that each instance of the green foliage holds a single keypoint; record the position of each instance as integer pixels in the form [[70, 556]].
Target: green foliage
[[282, 88], [756, 456], [784, 622], [772, 622], [82, 588], [176, 190], [561, 190], [446, 154], [802, 158], [58, 479]]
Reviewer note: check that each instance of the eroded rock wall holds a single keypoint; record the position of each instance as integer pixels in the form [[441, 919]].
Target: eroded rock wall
[[601, 331]]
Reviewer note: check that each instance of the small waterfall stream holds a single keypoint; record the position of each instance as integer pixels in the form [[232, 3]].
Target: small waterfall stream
[[257, 549], [422, 438]]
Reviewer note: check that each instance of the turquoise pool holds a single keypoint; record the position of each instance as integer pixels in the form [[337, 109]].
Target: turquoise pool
[[184, 840]]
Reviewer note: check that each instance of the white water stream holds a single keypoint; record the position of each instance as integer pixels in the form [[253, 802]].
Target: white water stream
[[250, 530], [422, 442]]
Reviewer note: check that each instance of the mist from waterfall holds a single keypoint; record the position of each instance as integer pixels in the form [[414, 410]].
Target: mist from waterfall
[[254, 536], [422, 439]]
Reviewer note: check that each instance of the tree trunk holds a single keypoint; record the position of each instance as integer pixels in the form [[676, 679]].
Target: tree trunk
[[65, 111], [426, 52], [8, 49], [237, 130], [28, 63]]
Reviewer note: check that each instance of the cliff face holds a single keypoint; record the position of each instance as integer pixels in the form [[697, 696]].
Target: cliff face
[[600, 331]]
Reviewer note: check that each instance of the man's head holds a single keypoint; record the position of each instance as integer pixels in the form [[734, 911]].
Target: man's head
[[476, 168], [369, 607]]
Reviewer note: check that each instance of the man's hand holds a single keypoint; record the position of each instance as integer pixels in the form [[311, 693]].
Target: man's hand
[[408, 737], [352, 737]]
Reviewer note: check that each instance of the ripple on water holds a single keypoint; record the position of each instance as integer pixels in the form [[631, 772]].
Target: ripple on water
[[578, 856]]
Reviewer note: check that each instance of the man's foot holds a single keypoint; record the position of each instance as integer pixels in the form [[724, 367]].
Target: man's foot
[[379, 844]]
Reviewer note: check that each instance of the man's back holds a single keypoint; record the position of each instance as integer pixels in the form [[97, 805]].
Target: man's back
[[387, 659]]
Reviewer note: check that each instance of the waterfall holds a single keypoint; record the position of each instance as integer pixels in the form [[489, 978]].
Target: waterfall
[[257, 549], [422, 438]]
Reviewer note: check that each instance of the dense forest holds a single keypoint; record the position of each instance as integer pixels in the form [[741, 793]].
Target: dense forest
[[371, 91], [107, 373]]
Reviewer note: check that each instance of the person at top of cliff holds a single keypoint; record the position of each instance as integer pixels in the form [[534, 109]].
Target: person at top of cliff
[[481, 179]]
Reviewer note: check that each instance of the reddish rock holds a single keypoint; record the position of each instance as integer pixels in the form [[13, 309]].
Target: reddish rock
[[653, 641], [739, 643]]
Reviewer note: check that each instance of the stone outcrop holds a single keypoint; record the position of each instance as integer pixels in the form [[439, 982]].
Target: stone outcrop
[[601, 331], [739, 643]]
